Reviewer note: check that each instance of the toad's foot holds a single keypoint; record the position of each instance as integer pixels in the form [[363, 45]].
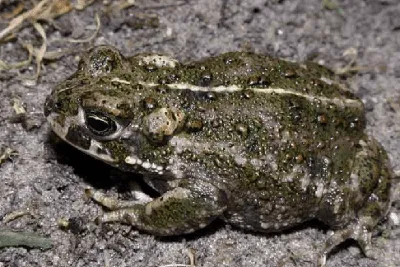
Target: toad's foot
[[138, 196], [113, 203], [359, 231]]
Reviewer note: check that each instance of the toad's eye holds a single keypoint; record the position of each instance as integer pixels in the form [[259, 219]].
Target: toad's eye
[[100, 124]]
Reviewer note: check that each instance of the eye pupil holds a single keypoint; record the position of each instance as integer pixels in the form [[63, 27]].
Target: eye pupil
[[100, 124]]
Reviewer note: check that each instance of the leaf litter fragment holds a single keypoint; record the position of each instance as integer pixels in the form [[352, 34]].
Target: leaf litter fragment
[[10, 238], [7, 153]]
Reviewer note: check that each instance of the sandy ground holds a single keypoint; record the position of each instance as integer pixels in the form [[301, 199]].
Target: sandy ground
[[45, 182]]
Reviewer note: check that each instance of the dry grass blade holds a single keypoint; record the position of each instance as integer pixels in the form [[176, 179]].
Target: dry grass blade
[[352, 53], [17, 22], [125, 4], [18, 106], [17, 65], [5, 154], [54, 9], [14, 214], [82, 4], [42, 50], [44, 10], [117, 6]]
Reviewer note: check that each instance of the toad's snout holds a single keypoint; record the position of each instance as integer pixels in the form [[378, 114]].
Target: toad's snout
[[48, 106]]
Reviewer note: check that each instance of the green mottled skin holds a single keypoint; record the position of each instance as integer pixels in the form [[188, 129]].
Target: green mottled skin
[[266, 160]]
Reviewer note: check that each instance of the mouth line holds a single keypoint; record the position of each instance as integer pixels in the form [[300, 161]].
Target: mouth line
[[145, 164]]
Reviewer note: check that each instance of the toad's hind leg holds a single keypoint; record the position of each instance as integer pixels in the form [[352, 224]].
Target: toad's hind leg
[[371, 199]]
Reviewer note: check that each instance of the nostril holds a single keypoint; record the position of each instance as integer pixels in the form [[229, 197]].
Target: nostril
[[57, 105], [48, 106]]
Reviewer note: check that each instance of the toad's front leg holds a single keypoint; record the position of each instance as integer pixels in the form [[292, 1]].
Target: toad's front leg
[[184, 209]]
